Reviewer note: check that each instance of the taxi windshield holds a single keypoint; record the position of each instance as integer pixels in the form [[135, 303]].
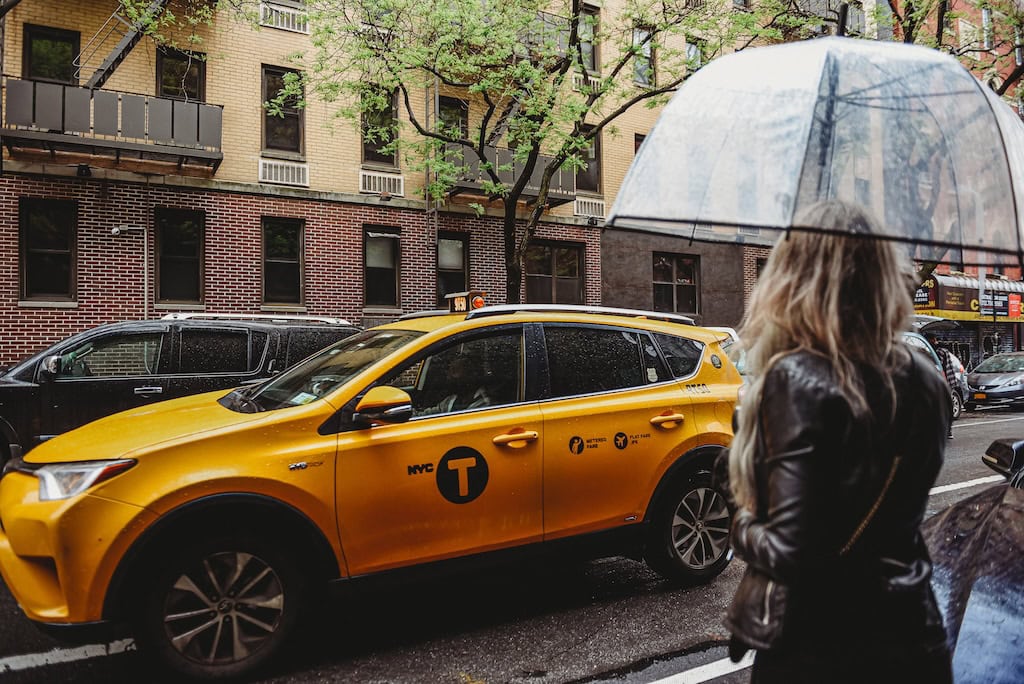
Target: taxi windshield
[[321, 373]]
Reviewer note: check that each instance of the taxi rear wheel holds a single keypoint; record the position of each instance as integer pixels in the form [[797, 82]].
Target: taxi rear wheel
[[688, 537], [221, 608]]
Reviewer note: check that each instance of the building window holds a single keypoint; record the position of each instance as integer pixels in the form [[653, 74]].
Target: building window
[[676, 283], [638, 140], [643, 57], [180, 75], [282, 130], [554, 273], [986, 28], [179, 248], [695, 53], [380, 276], [282, 260], [453, 114], [588, 28], [589, 179], [759, 264], [1018, 51], [49, 54], [452, 264], [48, 229], [378, 125]]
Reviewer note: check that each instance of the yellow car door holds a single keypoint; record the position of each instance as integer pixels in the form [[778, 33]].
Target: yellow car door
[[462, 476], [614, 418]]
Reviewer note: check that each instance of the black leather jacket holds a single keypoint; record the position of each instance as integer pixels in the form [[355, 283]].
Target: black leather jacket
[[818, 471]]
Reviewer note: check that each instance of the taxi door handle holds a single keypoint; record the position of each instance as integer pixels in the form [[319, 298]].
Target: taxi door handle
[[149, 390], [516, 439], [667, 420]]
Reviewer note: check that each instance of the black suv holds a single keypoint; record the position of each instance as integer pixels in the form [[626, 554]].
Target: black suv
[[119, 366]]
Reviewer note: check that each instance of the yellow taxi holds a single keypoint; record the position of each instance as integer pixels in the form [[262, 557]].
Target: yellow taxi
[[207, 524]]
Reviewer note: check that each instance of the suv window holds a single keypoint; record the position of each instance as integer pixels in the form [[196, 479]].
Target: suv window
[[305, 342], [470, 374], [682, 354], [587, 360], [123, 355], [217, 351]]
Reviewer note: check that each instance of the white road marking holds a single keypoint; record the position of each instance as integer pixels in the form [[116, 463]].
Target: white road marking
[[64, 655], [964, 485], [712, 670], [972, 423]]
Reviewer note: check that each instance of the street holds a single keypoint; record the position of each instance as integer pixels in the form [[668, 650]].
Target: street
[[609, 620]]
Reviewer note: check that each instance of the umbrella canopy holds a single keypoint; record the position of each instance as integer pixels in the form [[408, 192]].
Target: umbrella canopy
[[754, 137], [976, 547]]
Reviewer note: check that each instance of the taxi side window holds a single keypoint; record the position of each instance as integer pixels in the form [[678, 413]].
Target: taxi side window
[[589, 360], [682, 354], [467, 375]]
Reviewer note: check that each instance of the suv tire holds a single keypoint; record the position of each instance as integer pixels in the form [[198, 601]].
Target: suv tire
[[220, 608], [688, 535]]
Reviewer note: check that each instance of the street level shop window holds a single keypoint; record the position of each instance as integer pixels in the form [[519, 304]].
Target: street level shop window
[[49, 54], [554, 273], [181, 75], [48, 230], [452, 265], [282, 130], [282, 260], [676, 283], [380, 258], [179, 248]]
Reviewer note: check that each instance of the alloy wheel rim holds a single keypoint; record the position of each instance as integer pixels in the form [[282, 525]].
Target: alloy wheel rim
[[700, 528], [224, 608]]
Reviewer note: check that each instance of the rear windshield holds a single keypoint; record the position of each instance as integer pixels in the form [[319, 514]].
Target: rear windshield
[[1001, 364], [324, 372]]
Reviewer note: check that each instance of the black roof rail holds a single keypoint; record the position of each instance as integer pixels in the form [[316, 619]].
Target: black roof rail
[[269, 318], [500, 309]]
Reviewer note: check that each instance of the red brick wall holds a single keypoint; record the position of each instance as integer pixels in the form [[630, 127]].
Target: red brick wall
[[110, 268]]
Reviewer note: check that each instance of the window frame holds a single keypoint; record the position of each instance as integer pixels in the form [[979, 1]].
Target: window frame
[[455, 237], [674, 284], [593, 165], [190, 57], [371, 157], [32, 31], [158, 215], [454, 103], [594, 68], [300, 225], [643, 39], [25, 205], [380, 232], [299, 113], [579, 248]]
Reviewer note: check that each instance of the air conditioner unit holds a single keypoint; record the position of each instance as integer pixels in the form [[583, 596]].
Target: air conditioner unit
[[284, 172], [283, 17], [377, 182], [588, 206]]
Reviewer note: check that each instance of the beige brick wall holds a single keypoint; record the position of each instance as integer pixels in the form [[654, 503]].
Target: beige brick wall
[[235, 52]]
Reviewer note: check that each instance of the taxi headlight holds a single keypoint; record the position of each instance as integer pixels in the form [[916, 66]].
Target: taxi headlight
[[65, 480]]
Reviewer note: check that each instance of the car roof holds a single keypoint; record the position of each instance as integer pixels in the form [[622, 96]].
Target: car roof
[[432, 321]]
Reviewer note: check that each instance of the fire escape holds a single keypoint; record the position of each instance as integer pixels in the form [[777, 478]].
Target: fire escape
[[92, 126]]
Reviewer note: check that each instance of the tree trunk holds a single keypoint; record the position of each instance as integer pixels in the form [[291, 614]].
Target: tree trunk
[[513, 262]]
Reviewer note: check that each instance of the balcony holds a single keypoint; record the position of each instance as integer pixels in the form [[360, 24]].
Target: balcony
[[561, 190], [112, 129]]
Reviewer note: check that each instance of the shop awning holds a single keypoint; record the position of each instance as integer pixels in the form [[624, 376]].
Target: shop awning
[[961, 298]]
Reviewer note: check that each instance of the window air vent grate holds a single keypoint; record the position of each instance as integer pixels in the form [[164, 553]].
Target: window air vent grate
[[588, 206], [284, 172], [376, 182]]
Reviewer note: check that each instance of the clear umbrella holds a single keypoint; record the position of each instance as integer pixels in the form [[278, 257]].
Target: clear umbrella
[[754, 137]]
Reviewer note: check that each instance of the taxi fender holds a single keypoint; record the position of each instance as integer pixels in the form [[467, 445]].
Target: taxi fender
[[695, 460]]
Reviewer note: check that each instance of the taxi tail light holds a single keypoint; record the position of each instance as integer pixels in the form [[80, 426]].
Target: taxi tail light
[[65, 480]]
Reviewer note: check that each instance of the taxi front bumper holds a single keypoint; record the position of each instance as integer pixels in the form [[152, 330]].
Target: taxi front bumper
[[57, 557]]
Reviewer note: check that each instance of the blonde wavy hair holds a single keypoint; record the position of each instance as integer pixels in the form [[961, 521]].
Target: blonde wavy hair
[[845, 298]]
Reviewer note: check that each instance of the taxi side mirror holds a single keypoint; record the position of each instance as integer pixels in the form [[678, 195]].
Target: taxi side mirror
[[383, 405], [1005, 456]]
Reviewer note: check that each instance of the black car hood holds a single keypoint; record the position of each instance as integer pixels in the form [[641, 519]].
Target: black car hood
[[977, 546]]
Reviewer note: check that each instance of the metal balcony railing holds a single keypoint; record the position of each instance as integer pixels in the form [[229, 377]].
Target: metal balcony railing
[[562, 188], [52, 116]]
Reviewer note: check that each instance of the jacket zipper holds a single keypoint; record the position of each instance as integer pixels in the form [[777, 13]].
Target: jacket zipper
[[769, 590]]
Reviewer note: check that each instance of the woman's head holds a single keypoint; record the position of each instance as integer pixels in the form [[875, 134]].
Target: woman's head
[[846, 297]]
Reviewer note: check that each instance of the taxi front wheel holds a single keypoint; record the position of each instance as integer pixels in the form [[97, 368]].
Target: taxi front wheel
[[220, 609], [688, 538]]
